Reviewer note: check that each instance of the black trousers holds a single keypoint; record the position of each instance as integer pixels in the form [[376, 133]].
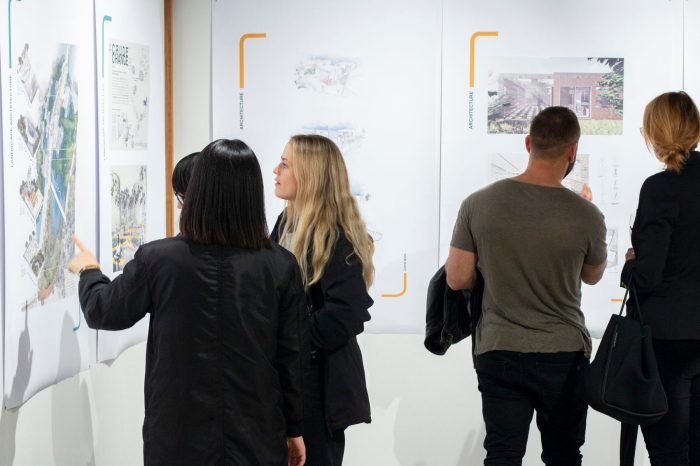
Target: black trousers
[[675, 439], [322, 448], [514, 385]]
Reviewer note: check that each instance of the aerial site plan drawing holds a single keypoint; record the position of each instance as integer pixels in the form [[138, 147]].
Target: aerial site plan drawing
[[48, 190]]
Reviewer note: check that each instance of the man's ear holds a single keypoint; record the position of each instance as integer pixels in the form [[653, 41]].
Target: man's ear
[[527, 143], [571, 152]]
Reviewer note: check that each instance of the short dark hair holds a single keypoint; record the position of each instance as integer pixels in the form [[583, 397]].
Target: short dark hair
[[552, 131], [182, 173], [224, 203]]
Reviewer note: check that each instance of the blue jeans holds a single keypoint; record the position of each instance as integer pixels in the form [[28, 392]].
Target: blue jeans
[[675, 439], [513, 386]]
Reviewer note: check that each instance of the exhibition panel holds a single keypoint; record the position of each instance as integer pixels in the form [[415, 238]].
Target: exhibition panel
[[83, 154], [131, 141], [370, 82], [597, 58], [48, 187]]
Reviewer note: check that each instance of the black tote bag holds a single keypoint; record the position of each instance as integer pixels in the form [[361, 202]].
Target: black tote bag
[[623, 379]]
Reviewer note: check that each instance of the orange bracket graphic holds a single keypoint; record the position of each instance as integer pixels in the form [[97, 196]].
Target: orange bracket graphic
[[403, 291], [472, 42], [241, 51]]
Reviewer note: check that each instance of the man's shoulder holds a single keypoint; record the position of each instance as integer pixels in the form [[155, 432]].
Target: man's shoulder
[[581, 205], [489, 192]]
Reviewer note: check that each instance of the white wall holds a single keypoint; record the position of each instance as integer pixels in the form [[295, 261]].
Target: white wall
[[93, 418], [426, 409], [191, 78]]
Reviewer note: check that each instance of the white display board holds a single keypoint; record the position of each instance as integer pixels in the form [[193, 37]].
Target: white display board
[[48, 128], [131, 139], [367, 75], [597, 57], [691, 49], [2, 260]]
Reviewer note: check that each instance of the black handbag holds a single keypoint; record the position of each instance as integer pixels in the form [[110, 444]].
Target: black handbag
[[623, 379]]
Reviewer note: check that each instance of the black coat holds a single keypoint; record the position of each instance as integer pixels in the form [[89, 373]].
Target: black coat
[[451, 315], [223, 358], [666, 239], [339, 306]]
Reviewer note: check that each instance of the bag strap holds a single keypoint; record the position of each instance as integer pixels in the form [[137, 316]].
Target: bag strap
[[624, 301], [630, 285]]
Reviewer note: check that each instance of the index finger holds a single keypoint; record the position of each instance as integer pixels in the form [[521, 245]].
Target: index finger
[[79, 243]]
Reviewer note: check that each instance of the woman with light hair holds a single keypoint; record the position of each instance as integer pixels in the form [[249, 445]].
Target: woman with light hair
[[322, 227], [663, 266]]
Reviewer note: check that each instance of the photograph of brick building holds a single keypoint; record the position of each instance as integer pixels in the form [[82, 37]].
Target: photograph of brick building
[[591, 87]]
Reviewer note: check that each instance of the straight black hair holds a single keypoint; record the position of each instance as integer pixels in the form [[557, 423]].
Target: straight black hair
[[224, 203], [182, 173]]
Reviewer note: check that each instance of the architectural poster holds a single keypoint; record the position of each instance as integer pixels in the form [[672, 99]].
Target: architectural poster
[[129, 99], [48, 189], [131, 125], [374, 92], [500, 70], [128, 197]]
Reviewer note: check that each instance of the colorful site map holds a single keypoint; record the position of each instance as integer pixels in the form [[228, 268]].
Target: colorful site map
[[49, 130]]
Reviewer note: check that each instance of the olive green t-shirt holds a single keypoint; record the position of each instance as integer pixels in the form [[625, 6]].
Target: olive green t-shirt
[[531, 242]]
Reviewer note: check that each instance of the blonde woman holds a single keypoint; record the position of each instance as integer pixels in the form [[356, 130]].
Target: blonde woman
[[322, 227], [664, 266]]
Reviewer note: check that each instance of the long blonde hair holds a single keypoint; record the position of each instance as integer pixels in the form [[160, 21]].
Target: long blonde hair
[[671, 128], [323, 205]]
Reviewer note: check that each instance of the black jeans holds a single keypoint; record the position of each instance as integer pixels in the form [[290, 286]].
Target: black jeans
[[675, 439], [513, 385], [322, 448]]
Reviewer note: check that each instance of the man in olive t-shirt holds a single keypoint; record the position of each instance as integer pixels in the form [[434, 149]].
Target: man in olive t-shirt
[[534, 242]]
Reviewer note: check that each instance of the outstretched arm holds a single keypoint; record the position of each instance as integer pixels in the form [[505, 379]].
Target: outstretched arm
[[111, 305]]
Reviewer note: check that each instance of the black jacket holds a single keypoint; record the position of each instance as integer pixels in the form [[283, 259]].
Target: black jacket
[[339, 304], [665, 237], [451, 316], [223, 358]]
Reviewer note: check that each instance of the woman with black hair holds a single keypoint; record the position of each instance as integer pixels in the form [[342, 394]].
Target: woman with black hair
[[181, 177], [226, 306]]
